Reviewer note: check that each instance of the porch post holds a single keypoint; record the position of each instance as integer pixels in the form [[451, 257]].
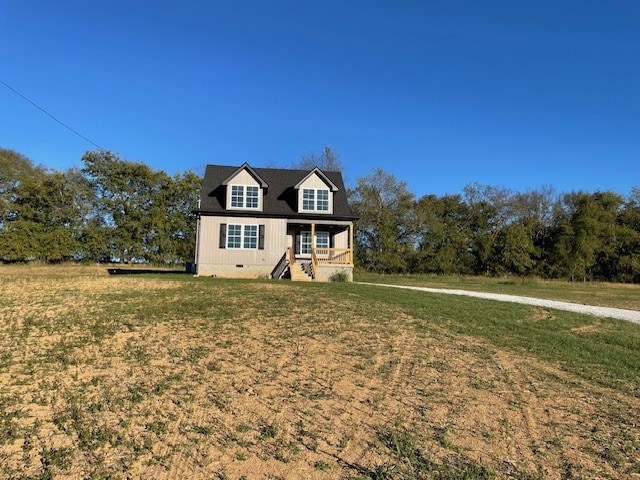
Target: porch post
[[351, 240], [313, 237]]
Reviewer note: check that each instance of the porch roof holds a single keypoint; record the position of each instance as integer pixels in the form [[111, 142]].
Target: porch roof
[[304, 221]]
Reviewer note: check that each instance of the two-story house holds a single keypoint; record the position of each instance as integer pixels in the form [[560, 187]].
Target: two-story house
[[273, 222]]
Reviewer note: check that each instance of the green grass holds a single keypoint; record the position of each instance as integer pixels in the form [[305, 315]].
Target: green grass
[[600, 350], [588, 293], [180, 333]]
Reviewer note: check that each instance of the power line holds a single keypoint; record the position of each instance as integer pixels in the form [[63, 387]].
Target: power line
[[50, 115]]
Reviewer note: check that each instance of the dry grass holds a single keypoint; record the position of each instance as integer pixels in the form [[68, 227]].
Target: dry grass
[[176, 377]]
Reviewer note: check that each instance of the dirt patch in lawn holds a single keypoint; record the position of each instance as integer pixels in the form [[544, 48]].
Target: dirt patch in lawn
[[315, 387]]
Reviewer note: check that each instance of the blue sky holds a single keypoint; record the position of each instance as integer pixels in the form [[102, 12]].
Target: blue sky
[[509, 93]]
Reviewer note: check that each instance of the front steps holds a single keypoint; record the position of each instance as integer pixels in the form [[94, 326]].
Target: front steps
[[301, 272]]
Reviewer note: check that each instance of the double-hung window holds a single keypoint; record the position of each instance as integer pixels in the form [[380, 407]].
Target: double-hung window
[[322, 200], [315, 199], [234, 236], [250, 236], [242, 236], [252, 197], [308, 199], [305, 243], [322, 241], [245, 196]]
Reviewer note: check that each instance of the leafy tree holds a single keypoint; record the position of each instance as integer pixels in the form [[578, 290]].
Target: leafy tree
[[15, 169], [385, 231], [534, 210], [443, 235], [46, 218], [140, 214], [514, 250], [586, 234], [183, 200]]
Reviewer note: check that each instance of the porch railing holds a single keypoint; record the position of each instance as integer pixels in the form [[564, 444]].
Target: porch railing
[[341, 256]]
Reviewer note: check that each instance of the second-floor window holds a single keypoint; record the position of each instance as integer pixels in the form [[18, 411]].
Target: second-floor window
[[245, 196], [315, 199]]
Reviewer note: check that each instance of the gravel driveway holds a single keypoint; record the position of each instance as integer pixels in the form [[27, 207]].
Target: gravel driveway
[[618, 313]]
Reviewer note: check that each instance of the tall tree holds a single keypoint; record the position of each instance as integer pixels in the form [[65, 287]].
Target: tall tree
[[586, 234], [15, 169], [327, 160], [385, 230], [628, 253], [125, 192], [47, 218], [443, 236], [143, 214]]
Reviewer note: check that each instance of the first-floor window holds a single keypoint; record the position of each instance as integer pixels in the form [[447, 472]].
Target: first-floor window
[[322, 241], [305, 243], [250, 237], [242, 236], [234, 236]]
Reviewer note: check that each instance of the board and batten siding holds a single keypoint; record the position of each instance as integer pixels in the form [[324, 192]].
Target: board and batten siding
[[241, 263], [341, 239], [243, 178]]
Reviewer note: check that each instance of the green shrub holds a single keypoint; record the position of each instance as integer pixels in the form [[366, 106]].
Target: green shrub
[[339, 277]]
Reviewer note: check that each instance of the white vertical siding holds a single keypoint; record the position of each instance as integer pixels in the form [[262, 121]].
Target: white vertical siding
[[341, 240], [211, 255]]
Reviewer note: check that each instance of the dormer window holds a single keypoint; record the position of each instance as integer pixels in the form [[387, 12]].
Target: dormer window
[[315, 193], [315, 199], [245, 196]]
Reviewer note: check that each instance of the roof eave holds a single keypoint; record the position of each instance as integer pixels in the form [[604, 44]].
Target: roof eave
[[247, 167]]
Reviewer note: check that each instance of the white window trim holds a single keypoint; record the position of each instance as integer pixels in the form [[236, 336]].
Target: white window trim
[[327, 236], [244, 197], [315, 200], [243, 228], [310, 243]]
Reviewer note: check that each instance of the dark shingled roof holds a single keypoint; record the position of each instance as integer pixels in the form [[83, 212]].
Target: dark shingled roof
[[280, 199]]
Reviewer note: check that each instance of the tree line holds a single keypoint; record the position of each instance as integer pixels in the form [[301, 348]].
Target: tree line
[[109, 210], [490, 230], [117, 210]]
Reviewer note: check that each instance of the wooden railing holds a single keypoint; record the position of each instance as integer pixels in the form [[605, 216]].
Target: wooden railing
[[341, 256]]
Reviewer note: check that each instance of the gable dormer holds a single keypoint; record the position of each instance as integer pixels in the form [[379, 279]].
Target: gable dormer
[[315, 193], [245, 190]]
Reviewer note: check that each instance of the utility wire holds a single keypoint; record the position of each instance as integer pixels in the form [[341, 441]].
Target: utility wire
[[50, 115]]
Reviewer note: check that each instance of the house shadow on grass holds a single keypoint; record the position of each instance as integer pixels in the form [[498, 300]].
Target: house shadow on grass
[[138, 271]]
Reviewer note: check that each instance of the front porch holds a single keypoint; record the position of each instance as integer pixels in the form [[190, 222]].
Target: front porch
[[317, 251]]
